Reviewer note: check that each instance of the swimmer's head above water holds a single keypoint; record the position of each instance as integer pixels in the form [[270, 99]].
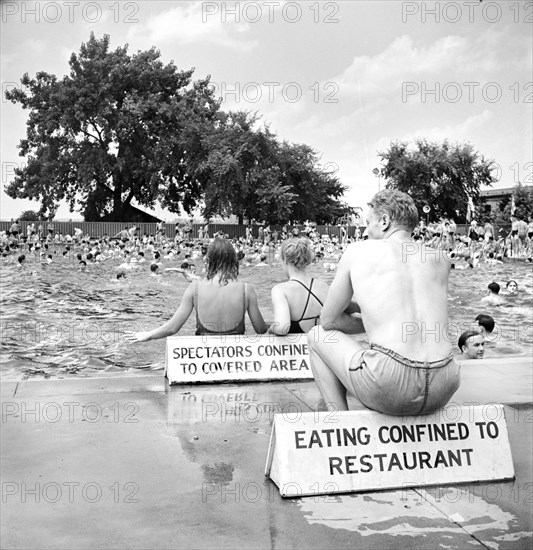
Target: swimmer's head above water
[[472, 344], [486, 323], [512, 287], [494, 288]]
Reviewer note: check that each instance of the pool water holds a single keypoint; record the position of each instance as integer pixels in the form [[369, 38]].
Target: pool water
[[58, 321]]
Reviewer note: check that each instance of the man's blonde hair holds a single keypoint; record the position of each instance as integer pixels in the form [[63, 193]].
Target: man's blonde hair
[[399, 206]]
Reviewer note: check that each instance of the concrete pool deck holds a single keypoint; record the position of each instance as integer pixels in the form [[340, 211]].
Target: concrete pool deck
[[129, 462]]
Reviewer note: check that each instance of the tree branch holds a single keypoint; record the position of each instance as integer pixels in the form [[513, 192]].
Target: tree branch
[[102, 143]]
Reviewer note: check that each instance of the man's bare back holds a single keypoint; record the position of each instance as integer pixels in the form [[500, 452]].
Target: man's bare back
[[400, 288]]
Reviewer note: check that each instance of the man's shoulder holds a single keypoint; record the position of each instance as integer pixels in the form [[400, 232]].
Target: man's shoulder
[[373, 246], [359, 246]]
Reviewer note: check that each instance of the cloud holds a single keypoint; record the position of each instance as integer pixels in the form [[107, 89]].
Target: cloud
[[194, 23], [6, 61], [451, 58], [32, 46], [454, 133]]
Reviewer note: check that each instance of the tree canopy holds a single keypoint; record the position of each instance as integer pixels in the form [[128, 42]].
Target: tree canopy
[[440, 175], [254, 176], [118, 127], [122, 128], [242, 171]]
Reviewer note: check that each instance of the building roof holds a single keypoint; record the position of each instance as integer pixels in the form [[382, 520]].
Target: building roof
[[500, 193], [129, 213]]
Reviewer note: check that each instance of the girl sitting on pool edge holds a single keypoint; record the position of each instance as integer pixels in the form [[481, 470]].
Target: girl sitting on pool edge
[[297, 302], [220, 301]]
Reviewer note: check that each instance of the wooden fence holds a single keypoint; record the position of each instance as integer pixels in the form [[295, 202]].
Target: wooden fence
[[97, 230]]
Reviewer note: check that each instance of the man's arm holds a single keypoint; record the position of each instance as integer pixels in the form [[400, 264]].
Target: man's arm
[[338, 303]]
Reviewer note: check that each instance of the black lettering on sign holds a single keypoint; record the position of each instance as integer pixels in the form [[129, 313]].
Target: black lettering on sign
[[304, 365], [388, 463], [335, 462], [366, 463], [299, 439]]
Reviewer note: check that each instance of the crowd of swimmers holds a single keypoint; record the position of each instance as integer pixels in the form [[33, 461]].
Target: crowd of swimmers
[[481, 242], [472, 342], [296, 303]]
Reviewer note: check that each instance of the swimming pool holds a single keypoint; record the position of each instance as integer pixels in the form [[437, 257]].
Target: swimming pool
[[62, 322]]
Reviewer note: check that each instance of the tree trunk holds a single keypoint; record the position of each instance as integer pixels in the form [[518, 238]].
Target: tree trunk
[[117, 200]]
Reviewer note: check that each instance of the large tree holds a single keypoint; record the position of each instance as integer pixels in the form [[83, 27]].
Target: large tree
[[251, 174], [242, 173], [118, 128], [318, 191], [440, 175]]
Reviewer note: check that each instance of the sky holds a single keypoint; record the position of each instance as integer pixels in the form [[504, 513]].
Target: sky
[[346, 78]]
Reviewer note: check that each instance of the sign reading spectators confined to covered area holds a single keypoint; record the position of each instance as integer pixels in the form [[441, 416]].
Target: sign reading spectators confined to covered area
[[355, 451], [225, 358]]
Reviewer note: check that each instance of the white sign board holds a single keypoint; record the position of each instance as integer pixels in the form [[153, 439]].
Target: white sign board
[[355, 451], [224, 358]]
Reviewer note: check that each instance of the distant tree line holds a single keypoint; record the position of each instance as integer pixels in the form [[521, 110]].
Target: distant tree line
[[123, 128]]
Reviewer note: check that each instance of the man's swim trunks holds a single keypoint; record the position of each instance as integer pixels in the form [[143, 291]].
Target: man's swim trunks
[[386, 382]]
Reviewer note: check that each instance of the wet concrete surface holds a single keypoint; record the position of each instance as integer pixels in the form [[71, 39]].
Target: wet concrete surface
[[130, 462]]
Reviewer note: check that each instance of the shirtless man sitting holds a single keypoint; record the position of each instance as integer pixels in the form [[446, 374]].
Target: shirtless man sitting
[[401, 290]]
